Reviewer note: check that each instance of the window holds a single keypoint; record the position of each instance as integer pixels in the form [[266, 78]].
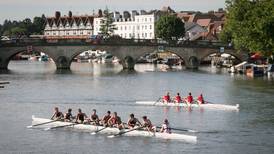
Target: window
[[125, 35], [130, 35], [146, 27], [138, 27], [150, 26], [142, 34], [145, 35], [121, 28], [67, 33], [145, 19], [125, 27], [142, 26], [150, 34], [47, 33], [150, 19]]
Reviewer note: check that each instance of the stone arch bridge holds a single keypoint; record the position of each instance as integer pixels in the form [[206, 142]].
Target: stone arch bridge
[[63, 54]]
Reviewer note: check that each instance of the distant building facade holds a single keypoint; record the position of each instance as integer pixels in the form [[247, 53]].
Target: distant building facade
[[131, 26], [68, 26]]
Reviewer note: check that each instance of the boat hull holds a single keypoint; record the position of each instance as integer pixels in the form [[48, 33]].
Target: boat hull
[[206, 106], [112, 131]]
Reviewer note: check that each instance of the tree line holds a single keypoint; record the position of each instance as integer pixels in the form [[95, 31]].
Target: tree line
[[25, 27], [250, 25]]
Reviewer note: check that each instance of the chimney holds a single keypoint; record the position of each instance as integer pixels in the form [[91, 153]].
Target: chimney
[[57, 14], [70, 14]]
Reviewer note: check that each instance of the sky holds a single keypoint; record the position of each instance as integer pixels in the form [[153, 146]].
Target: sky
[[20, 9]]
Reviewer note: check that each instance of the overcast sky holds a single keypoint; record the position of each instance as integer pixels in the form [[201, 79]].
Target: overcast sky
[[20, 9]]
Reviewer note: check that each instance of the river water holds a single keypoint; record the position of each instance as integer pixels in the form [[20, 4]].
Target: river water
[[35, 88]]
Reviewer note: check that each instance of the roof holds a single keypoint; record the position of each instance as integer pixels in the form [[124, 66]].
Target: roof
[[62, 21], [204, 22]]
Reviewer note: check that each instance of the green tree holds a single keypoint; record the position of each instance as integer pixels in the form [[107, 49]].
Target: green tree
[[250, 25], [107, 27], [169, 27], [18, 31]]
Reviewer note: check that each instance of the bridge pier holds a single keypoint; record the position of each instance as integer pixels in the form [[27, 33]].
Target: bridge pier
[[192, 63], [62, 63], [128, 63]]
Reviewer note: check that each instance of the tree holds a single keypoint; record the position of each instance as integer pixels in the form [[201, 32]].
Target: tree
[[250, 25], [169, 27], [107, 27]]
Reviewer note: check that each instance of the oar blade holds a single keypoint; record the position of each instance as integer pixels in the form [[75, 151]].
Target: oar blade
[[93, 133], [111, 136], [46, 129], [29, 126]]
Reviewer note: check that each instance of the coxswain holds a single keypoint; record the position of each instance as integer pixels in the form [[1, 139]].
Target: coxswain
[[80, 118], [178, 98], [132, 121], [165, 127], [94, 119], [200, 99], [105, 119], [189, 99], [68, 116], [166, 98], [148, 125], [115, 121], [57, 115]]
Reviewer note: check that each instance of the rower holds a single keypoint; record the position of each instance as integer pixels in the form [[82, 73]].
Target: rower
[[68, 116], [165, 127], [106, 118], [80, 118], [166, 98], [178, 98], [115, 121], [57, 115], [189, 99], [148, 125], [132, 121], [94, 119], [200, 99]]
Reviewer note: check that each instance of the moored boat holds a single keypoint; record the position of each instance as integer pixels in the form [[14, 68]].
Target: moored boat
[[92, 128], [207, 105]]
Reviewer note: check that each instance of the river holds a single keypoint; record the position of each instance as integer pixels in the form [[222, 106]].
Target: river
[[36, 88]]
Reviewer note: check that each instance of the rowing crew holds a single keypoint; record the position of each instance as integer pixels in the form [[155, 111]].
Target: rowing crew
[[178, 99], [109, 120]]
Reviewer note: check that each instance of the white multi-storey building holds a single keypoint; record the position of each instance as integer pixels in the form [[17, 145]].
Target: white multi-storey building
[[136, 27], [69, 26]]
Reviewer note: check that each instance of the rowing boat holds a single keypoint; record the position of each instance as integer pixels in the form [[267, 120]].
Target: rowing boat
[[207, 105], [108, 130]]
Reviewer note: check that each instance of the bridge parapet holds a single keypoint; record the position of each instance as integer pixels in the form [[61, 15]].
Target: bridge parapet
[[128, 42]]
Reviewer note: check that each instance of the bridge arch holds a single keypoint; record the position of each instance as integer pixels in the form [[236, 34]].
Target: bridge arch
[[234, 53], [10, 53]]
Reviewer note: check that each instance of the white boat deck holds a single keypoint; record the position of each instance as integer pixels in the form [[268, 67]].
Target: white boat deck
[[206, 106], [112, 131]]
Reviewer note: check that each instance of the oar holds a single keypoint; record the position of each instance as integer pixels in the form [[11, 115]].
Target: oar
[[97, 131], [5, 82], [157, 100], [61, 126], [121, 133], [43, 123], [180, 129]]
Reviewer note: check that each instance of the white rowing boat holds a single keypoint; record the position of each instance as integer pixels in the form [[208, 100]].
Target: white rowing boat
[[207, 105], [112, 131]]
